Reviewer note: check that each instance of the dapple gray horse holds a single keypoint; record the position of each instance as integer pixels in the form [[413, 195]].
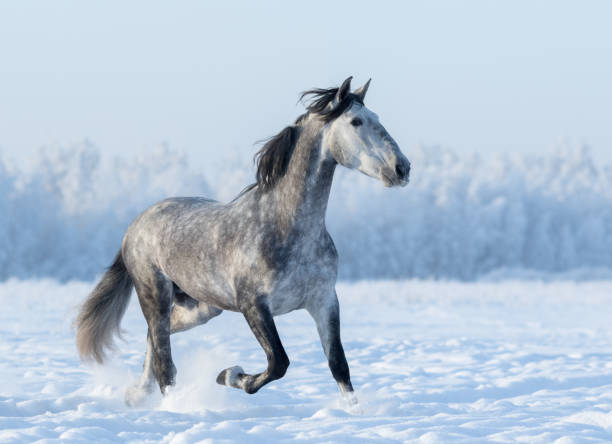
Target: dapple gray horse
[[264, 254]]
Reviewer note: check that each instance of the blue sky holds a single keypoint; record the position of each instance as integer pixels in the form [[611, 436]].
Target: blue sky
[[474, 76]]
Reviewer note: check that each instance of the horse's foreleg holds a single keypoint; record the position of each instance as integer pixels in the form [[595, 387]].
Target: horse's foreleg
[[326, 314], [262, 324]]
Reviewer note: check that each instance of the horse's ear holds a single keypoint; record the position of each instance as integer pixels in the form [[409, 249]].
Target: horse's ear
[[361, 92], [343, 91]]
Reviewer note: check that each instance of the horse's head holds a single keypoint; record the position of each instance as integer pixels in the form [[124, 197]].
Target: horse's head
[[356, 139]]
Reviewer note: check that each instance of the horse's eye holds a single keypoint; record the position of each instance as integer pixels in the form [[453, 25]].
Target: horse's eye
[[356, 121]]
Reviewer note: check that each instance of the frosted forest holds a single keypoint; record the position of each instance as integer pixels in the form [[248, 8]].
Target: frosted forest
[[63, 213]]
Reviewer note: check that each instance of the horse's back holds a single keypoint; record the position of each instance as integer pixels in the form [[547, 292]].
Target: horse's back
[[177, 206], [172, 210], [149, 232]]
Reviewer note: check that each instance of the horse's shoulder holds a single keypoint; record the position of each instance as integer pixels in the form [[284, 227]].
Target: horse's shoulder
[[321, 249]]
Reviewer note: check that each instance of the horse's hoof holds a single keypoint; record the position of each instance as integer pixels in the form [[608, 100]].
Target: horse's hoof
[[135, 396], [352, 403], [231, 376], [165, 390]]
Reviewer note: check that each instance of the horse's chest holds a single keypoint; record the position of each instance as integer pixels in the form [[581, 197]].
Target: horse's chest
[[299, 282], [288, 273]]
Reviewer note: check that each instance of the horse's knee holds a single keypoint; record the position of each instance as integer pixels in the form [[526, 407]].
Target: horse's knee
[[279, 368]]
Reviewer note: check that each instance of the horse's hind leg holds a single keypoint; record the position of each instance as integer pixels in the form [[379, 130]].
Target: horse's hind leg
[[186, 313], [155, 297], [135, 395], [262, 324]]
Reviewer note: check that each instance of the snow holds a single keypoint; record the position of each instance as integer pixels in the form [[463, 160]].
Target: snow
[[461, 217], [496, 361]]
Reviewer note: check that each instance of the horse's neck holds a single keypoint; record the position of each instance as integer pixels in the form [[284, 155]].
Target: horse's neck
[[302, 193]]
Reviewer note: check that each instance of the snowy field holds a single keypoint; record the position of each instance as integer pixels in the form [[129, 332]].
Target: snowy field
[[431, 361]]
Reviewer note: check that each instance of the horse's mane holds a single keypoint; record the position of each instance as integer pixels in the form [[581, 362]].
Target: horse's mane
[[273, 157]]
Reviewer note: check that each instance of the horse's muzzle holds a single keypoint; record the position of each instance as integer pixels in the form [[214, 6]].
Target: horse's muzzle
[[398, 175], [402, 170]]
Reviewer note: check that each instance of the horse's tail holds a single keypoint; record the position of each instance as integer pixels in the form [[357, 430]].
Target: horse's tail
[[101, 314]]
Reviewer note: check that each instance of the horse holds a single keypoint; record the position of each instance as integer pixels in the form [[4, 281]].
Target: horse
[[265, 253]]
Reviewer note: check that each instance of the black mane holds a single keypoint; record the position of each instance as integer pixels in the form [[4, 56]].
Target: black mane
[[320, 99], [273, 158]]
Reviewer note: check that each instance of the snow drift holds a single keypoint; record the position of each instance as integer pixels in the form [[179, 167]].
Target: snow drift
[[63, 215]]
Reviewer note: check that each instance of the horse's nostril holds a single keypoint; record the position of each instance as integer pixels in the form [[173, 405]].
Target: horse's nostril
[[401, 171]]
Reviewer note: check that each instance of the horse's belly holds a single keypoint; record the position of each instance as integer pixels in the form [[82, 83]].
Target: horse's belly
[[215, 292]]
